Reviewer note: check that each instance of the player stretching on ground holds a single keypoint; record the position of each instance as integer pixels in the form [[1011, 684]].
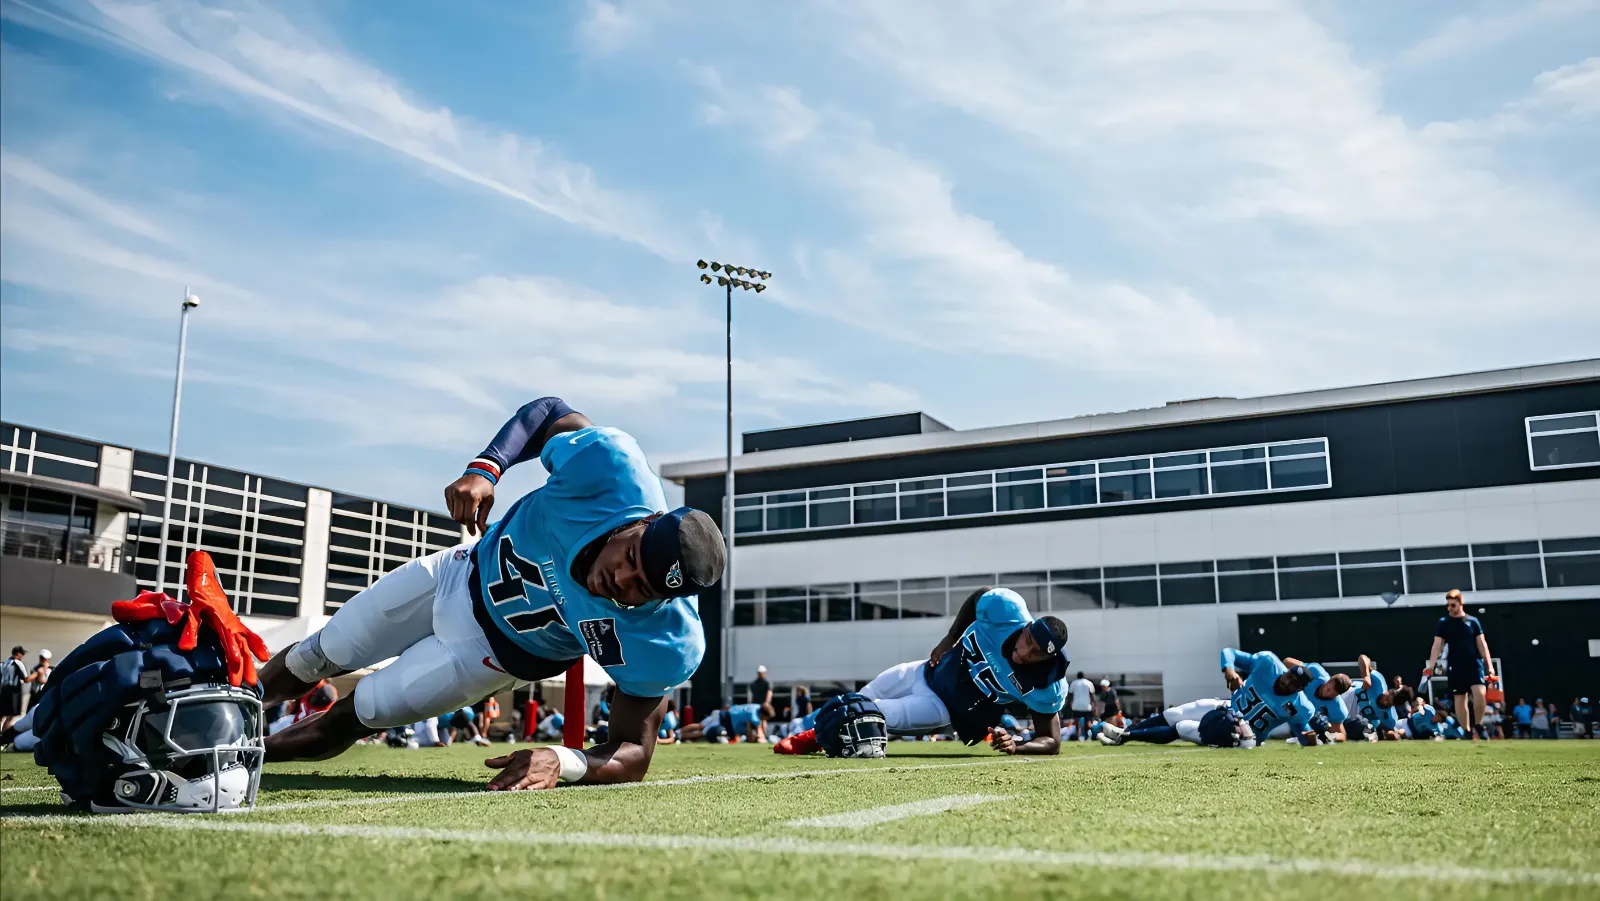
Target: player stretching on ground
[[1326, 694], [1469, 660], [1374, 704], [586, 564], [1268, 692], [1206, 722], [995, 654]]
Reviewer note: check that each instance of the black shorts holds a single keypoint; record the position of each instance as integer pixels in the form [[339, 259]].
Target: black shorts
[[11, 701], [1462, 678], [1080, 714]]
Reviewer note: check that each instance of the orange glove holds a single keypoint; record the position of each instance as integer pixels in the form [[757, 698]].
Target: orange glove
[[210, 606], [148, 605]]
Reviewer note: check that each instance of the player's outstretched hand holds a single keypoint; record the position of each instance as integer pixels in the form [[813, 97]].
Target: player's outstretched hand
[[469, 500], [1003, 740], [525, 770]]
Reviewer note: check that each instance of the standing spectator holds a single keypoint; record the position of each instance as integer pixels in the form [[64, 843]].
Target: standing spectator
[[1581, 716], [1493, 722], [801, 709], [1522, 717], [1080, 705], [1555, 719], [13, 675], [38, 678], [491, 712], [1471, 667], [1110, 704], [761, 689], [1540, 720]]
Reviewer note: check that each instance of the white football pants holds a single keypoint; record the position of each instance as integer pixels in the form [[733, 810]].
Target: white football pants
[[909, 705], [1186, 717], [422, 614]]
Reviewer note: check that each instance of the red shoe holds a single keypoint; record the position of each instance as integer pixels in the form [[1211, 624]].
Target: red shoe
[[798, 743]]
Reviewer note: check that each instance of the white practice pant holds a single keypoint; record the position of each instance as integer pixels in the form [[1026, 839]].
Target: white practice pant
[[25, 740], [1186, 717], [909, 705], [422, 613]]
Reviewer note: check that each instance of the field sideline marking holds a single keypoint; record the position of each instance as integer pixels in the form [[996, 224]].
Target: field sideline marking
[[872, 816], [659, 783], [839, 850], [30, 788]]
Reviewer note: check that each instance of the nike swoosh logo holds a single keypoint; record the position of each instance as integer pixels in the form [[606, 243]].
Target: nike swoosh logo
[[489, 662], [574, 439]]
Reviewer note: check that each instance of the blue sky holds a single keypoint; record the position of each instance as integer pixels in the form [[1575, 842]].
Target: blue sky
[[406, 219]]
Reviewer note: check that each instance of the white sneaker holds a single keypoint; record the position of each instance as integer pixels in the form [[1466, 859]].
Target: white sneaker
[[481, 741], [1107, 740], [1118, 735]]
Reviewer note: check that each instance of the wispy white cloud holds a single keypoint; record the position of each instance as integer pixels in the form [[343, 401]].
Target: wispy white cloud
[[921, 269], [454, 357], [1490, 26], [254, 52], [1563, 98]]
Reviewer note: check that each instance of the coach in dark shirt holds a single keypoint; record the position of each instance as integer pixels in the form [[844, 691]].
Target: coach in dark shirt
[[761, 689], [1470, 663]]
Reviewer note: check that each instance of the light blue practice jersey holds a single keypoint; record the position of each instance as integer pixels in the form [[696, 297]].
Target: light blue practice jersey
[[599, 480], [1421, 722], [1335, 710], [743, 716], [1367, 703], [978, 661], [1257, 701]]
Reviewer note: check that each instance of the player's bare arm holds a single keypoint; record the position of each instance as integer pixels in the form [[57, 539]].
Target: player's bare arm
[[1232, 679], [1046, 738], [1433, 658], [1365, 664], [625, 758], [966, 616], [1483, 650]]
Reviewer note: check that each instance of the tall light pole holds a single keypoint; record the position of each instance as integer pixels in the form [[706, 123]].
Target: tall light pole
[[189, 302], [729, 276]]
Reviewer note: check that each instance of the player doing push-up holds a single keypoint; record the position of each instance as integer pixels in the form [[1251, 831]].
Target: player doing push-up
[[995, 654], [587, 564]]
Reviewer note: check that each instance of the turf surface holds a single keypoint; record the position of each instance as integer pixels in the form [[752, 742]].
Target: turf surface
[[1411, 820]]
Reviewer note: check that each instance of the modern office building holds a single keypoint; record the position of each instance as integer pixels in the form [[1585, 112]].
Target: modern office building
[[82, 527], [1321, 524]]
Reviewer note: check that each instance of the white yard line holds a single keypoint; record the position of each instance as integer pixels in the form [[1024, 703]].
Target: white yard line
[[32, 788], [839, 850], [872, 816], [668, 783]]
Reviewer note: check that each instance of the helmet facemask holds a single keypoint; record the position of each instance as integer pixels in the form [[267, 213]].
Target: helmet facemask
[[190, 750]]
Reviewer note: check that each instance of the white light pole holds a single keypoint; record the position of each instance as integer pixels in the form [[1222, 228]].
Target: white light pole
[[189, 302], [726, 279]]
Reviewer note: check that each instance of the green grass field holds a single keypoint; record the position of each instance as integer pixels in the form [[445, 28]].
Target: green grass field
[[1413, 820]]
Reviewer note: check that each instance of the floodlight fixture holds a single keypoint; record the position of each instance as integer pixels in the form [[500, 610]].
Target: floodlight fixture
[[706, 279], [700, 263]]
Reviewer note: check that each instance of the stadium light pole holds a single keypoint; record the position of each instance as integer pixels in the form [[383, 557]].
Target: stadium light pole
[[729, 276], [189, 302]]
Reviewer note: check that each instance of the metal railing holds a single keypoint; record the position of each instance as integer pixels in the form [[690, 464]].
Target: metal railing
[[75, 547]]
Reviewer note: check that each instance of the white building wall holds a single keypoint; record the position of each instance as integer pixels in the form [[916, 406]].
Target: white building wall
[[314, 563], [1180, 643]]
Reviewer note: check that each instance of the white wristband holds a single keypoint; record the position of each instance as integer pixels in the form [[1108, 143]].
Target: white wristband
[[574, 764]]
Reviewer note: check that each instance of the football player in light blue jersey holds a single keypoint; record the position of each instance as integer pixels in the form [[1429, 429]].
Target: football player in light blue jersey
[[590, 563], [1268, 692], [1424, 723], [995, 654], [1326, 694], [1375, 702]]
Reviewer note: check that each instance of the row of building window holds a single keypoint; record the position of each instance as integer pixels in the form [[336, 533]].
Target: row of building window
[[44, 454], [1564, 441], [369, 538], [1480, 567], [253, 527], [1282, 466]]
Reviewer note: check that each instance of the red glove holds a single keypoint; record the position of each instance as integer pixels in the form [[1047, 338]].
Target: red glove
[[209, 605], [148, 605]]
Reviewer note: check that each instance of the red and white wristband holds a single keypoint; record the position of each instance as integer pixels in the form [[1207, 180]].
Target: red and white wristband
[[483, 466]]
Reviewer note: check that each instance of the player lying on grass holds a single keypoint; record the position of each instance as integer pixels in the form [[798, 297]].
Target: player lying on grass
[[1269, 693], [740, 721], [1208, 722], [1372, 704], [995, 654], [588, 563]]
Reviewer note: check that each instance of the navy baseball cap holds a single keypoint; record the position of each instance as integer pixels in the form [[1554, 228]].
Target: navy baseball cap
[[682, 553], [1045, 638]]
